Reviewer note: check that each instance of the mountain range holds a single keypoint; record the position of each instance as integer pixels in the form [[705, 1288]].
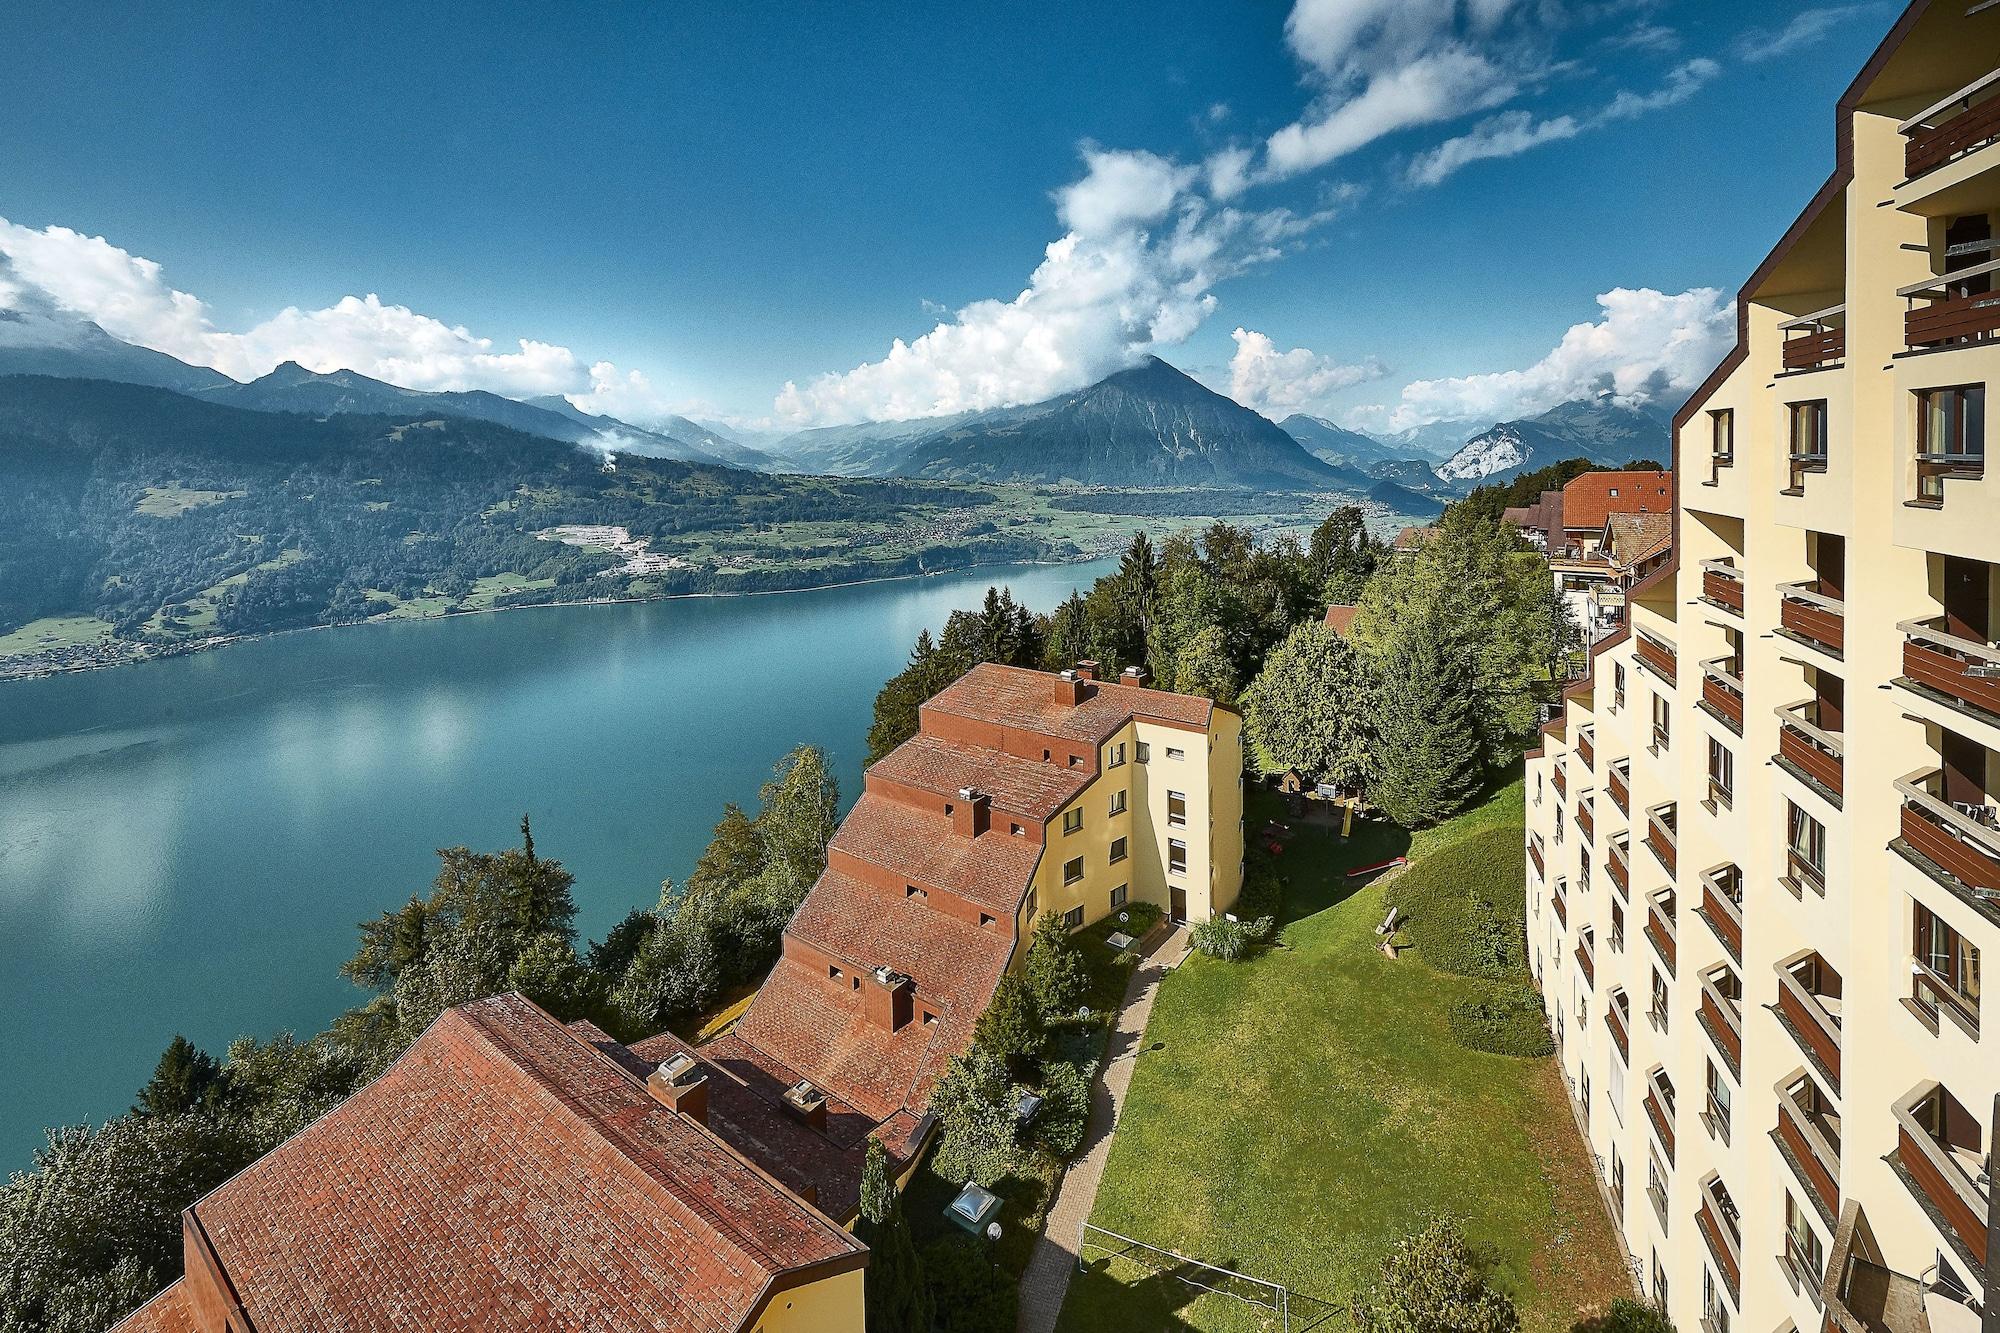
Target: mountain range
[[1604, 430]]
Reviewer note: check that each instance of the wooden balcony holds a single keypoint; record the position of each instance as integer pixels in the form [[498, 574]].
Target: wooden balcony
[[1586, 747], [1816, 340], [1945, 1175], [1722, 585], [1810, 1136], [1655, 654], [1806, 615], [1964, 843], [1722, 692], [1722, 907], [1963, 672], [1964, 122], [1657, 1102], [1661, 835], [1535, 854], [1562, 911], [1809, 1008], [1809, 750], [1661, 931], [1619, 781], [1721, 1014], [1614, 1019], [1716, 1220], [1586, 963], [1620, 869]]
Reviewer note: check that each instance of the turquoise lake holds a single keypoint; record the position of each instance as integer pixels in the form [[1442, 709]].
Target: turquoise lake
[[187, 845]]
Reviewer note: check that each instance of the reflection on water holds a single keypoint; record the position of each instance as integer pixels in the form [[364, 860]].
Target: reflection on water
[[187, 845]]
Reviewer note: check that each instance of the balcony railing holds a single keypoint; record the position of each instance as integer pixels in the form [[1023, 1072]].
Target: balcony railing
[[1952, 320], [1863, 1296], [1812, 1016], [1562, 910], [1661, 835], [1657, 1103], [1586, 963], [1812, 1140], [1951, 1177], [1615, 1020], [1964, 122], [1620, 868], [1808, 615], [1535, 854], [1586, 819], [1809, 749], [1960, 838], [1716, 1220], [1815, 340], [1722, 585], [1964, 671], [1661, 931], [1722, 691], [1556, 777], [1619, 781], [1722, 907], [1722, 1017], [1656, 654], [1586, 747]]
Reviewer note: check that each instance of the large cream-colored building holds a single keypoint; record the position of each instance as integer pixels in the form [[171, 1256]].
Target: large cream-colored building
[[1764, 851]]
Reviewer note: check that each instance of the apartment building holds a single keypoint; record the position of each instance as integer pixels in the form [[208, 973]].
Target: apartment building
[[1764, 848], [512, 1172]]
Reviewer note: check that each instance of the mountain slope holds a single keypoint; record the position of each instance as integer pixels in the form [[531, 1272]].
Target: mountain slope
[[869, 449], [1602, 430], [1147, 426], [40, 342], [1343, 447], [686, 440]]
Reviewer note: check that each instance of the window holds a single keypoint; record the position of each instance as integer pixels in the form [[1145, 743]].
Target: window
[[1072, 821], [832, 973], [1073, 870], [1117, 850], [1807, 447], [1714, 1310], [1722, 438], [1177, 809], [912, 891], [1806, 838], [1118, 896], [986, 918], [1663, 724], [1116, 756], [1950, 964], [1617, 925], [1144, 751], [1659, 1273], [1118, 802], [1173, 753], [1176, 857], [1718, 1102], [1538, 786], [1659, 1013], [1031, 904], [1072, 918], [1617, 686], [1802, 1249], [1951, 436], [1076, 761], [1618, 1174], [1721, 773], [1559, 824], [1016, 830]]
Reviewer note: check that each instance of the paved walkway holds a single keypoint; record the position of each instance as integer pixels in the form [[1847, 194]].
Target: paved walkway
[[1046, 1282]]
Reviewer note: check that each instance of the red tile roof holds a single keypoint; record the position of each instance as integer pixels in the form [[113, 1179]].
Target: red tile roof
[[168, 1312], [1019, 786], [1413, 539], [1588, 499], [505, 1174], [1026, 700], [1340, 618], [919, 847], [1632, 539]]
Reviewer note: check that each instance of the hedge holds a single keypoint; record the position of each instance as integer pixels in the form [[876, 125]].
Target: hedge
[[1463, 904]]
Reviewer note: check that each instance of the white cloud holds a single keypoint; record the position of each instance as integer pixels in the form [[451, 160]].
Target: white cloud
[[1436, 87], [1646, 35], [1648, 345], [88, 278], [1806, 27], [1508, 134], [1683, 81], [1280, 383], [1134, 273]]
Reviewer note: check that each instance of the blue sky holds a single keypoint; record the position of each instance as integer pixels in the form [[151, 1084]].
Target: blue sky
[[727, 199]]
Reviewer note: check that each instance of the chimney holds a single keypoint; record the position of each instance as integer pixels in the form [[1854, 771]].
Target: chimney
[[680, 1084], [888, 1003], [1087, 668], [972, 815], [807, 1103], [1135, 675], [1069, 689]]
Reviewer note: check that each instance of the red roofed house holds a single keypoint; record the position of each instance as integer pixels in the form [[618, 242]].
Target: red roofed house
[[1023, 792], [1339, 619], [510, 1173]]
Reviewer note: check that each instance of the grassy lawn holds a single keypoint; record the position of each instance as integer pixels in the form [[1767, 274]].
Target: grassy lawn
[[55, 632], [173, 500], [1291, 1116]]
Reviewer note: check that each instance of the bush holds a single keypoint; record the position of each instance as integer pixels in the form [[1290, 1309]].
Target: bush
[[1464, 907], [1263, 889], [1231, 941], [970, 1292], [1509, 1024], [1059, 1125], [974, 1103], [1431, 1283], [1628, 1316], [1135, 919]]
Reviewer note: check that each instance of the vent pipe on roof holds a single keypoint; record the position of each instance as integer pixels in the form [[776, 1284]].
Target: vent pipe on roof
[[1135, 675], [1087, 668], [972, 813], [681, 1084], [1069, 688], [889, 1001]]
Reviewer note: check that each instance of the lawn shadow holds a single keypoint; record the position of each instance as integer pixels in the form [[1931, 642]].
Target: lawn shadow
[[1097, 1297]]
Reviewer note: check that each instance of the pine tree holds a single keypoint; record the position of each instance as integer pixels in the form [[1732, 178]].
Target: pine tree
[[527, 840], [1057, 976], [898, 1301], [186, 1079], [1011, 1027], [1427, 750]]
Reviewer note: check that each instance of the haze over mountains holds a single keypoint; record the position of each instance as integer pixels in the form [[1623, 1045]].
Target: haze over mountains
[[1148, 426]]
